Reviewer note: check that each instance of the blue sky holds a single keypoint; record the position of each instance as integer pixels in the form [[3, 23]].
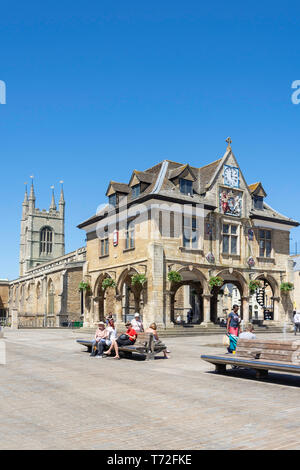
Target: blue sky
[[96, 89]]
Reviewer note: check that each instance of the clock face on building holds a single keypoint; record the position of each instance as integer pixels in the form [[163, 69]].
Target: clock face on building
[[231, 176]]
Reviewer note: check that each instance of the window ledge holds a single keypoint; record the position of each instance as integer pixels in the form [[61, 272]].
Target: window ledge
[[191, 250], [227, 256], [262, 259], [103, 256], [128, 249]]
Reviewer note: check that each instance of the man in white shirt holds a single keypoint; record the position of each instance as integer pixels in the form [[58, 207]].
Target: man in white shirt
[[248, 334], [296, 320], [137, 324]]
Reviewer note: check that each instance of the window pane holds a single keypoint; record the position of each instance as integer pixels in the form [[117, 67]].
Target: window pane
[[233, 245], [261, 247], [268, 235], [194, 239], [261, 234], [194, 223], [234, 229], [225, 228], [268, 249], [225, 244]]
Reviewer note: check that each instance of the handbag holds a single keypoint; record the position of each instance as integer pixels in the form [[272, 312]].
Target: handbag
[[123, 337], [226, 341]]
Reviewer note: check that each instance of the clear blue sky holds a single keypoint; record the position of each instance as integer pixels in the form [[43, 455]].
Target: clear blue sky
[[96, 89]]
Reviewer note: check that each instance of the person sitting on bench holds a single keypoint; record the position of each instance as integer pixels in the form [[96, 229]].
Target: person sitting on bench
[[153, 329], [100, 340], [126, 339], [248, 334]]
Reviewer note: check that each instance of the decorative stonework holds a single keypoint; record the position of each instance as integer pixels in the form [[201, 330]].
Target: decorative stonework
[[230, 202]]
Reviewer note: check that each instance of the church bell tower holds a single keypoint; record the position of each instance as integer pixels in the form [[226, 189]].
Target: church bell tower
[[42, 232]]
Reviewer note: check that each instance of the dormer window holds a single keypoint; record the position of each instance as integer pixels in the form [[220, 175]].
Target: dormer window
[[113, 200], [136, 190], [258, 202], [186, 187]]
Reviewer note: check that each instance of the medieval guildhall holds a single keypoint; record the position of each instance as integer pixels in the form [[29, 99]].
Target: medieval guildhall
[[173, 239]]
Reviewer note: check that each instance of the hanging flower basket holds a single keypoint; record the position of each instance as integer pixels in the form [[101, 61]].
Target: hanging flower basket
[[215, 281], [253, 286], [138, 279], [286, 287], [84, 287], [174, 276], [108, 282]]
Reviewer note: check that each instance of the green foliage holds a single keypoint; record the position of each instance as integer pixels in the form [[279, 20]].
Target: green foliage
[[215, 281], [84, 287], [254, 285], [108, 282], [174, 276], [138, 279], [286, 287]]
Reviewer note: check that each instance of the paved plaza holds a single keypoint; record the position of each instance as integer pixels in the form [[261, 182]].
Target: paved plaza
[[54, 396]]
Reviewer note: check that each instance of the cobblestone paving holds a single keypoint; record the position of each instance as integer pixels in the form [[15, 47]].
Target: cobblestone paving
[[54, 396]]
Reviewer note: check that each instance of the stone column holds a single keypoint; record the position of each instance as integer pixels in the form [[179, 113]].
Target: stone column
[[14, 319], [245, 304], [167, 315], [206, 310], [276, 301], [153, 310], [119, 310]]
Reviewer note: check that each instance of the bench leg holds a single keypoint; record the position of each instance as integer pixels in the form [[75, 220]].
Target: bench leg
[[150, 356], [261, 373], [220, 368]]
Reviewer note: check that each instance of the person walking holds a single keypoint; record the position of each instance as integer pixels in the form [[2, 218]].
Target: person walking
[[233, 327]]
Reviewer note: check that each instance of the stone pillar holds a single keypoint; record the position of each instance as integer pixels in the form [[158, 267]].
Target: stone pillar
[[119, 310], [276, 301], [245, 305], [206, 310], [14, 319], [167, 314], [154, 309]]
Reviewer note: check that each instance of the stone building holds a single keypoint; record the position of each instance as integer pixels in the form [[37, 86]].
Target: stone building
[[46, 293], [4, 293], [201, 222]]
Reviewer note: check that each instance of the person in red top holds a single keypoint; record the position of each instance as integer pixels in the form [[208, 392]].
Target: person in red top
[[123, 340]]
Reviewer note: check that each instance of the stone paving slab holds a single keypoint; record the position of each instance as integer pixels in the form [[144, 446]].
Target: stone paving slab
[[54, 396]]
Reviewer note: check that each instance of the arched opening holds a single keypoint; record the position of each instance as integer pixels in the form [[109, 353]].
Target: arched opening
[[229, 294], [51, 295], [46, 241], [232, 291], [261, 303], [133, 297], [186, 297], [105, 298]]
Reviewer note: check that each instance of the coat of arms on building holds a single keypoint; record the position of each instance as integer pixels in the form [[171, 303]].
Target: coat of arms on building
[[230, 202]]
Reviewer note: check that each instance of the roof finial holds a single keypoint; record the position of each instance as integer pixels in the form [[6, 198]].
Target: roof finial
[[229, 142], [62, 198], [32, 195]]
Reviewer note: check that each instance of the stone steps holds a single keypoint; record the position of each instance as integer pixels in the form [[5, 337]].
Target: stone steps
[[196, 330]]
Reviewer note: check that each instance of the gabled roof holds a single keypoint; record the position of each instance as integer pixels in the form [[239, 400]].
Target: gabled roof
[[118, 187], [176, 172], [257, 188], [142, 176]]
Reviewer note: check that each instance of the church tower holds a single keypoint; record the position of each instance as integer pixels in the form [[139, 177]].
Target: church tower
[[42, 231]]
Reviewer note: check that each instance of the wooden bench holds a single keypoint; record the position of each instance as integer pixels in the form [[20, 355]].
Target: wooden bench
[[144, 345], [262, 356]]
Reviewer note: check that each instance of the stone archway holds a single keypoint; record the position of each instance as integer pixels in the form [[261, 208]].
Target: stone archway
[[267, 297], [187, 296], [133, 297], [104, 298], [233, 281]]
